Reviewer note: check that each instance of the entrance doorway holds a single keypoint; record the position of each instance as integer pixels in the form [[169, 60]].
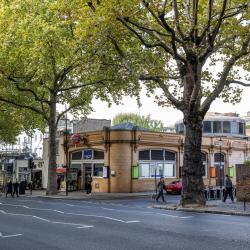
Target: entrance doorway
[[87, 170], [219, 163]]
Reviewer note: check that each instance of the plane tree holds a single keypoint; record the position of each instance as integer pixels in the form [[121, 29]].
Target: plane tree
[[49, 56], [187, 53]]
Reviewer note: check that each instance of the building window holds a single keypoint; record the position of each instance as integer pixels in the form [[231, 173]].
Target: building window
[[144, 170], [98, 155], [169, 156], [241, 128], [144, 155], [207, 127], [169, 170], [98, 170], [88, 154], [226, 127], [162, 163], [157, 155], [219, 157], [76, 155], [217, 127]]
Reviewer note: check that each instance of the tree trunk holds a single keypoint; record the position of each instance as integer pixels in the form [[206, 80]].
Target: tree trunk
[[51, 187], [192, 193]]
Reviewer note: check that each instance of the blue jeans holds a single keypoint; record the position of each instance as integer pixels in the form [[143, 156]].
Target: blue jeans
[[160, 194]]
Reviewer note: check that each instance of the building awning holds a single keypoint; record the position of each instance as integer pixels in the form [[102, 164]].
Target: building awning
[[60, 170]]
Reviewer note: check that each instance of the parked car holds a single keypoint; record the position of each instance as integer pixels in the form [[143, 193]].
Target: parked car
[[174, 187]]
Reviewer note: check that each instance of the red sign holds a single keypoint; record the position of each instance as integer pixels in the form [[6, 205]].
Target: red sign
[[75, 139]]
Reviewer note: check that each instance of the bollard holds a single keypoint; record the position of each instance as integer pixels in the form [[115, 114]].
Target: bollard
[[244, 204]]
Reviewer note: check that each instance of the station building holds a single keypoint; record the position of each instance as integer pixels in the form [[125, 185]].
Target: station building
[[125, 158]]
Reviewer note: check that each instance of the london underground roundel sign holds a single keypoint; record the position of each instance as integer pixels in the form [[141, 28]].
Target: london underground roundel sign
[[75, 139]]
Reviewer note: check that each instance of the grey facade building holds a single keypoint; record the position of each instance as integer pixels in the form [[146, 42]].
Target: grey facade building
[[89, 124]]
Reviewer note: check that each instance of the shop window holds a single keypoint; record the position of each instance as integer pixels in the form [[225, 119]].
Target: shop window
[[157, 155], [169, 170], [169, 156], [207, 127], [77, 155], [226, 127], [98, 170], [241, 128], [98, 155], [144, 170], [217, 127], [144, 155]]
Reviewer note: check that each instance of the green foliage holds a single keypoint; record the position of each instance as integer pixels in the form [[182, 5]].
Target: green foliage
[[247, 162], [186, 54], [138, 120]]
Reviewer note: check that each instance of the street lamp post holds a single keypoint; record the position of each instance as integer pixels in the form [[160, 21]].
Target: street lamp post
[[66, 153], [221, 180]]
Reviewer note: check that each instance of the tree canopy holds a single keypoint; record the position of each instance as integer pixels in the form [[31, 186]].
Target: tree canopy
[[50, 54], [138, 120], [187, 53]]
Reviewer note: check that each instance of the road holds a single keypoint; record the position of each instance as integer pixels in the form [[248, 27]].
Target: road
[[53, 224]]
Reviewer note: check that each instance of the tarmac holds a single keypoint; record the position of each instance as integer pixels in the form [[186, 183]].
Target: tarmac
[[212, 206]]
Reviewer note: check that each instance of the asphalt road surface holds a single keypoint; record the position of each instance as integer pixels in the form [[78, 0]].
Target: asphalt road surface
[[50, 224]]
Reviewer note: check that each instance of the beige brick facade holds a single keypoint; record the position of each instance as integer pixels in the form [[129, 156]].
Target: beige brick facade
[[121, 152]]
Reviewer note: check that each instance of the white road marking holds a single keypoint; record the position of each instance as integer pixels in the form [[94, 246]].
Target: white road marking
[[9, 236], [65, 213], [46, 220], [169, 215], [105, 217]]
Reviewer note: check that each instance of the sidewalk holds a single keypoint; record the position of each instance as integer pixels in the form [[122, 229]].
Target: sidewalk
[[212, 206]]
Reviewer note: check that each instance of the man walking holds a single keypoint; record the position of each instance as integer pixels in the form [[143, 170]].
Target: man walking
[[229, 189], [88, 184], [16, 186], [160, 188], [9, 189]]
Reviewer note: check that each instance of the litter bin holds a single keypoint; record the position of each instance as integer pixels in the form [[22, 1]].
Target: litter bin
[[22, 187]]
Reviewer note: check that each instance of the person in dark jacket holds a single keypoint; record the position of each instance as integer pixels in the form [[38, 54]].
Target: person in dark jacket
[[9, 189], [58, 181], [228, 189], [160, 189], [16, 187], [88, 184]]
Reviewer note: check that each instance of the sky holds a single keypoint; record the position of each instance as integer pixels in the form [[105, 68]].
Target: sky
[[167, 115]]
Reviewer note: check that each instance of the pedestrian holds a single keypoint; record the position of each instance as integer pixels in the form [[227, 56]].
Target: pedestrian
[[228, 189], [58, 182], [15, 187], [89, 184], [160, 189], [9, 189]]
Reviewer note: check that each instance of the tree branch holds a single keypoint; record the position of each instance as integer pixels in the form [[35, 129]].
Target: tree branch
[[84, 85], [37, 98], [165, 89], [238, 82], [25, 106], [223, 79], [177, 19], [143, 41]]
